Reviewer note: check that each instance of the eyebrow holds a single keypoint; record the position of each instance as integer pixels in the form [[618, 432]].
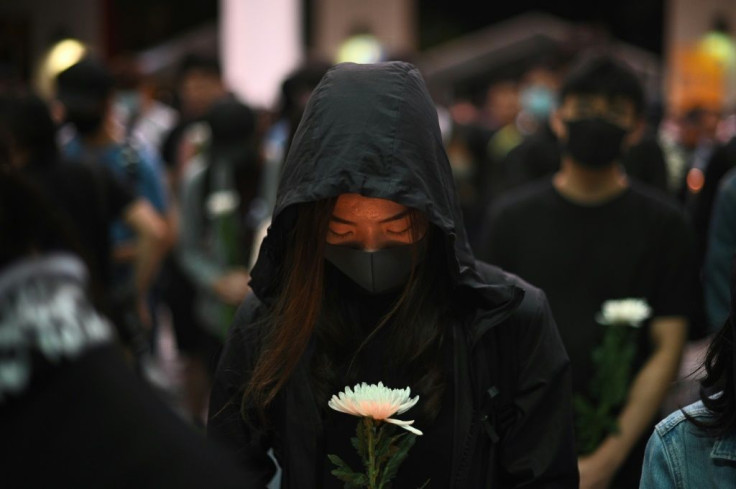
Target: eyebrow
[[396, 217]]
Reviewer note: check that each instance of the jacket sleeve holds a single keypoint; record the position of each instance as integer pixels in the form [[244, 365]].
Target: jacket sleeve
[[248, 441], [538, 449]]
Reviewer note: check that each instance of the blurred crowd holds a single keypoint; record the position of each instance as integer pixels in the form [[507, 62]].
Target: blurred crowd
[[166, 199]]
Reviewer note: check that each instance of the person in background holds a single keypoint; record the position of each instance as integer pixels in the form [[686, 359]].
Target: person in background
[[199, 85], [86, 92], [137, 110], [296, 89], [72, 411], [695, 447], [89, 198], [534, 155], [590, 235], [721, 248], [539, 156], [224, 218]]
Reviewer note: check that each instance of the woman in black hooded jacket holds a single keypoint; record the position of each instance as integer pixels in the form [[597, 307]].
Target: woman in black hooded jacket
[[366, 276]]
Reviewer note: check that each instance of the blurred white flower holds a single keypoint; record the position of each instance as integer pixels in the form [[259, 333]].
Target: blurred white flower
[[222, 202], [631, 312], [377, 402]]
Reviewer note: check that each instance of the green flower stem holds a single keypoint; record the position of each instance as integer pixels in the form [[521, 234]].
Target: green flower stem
[[372, 469], [596, 411]]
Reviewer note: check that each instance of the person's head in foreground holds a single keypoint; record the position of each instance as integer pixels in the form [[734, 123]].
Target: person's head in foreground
[[366, 276]]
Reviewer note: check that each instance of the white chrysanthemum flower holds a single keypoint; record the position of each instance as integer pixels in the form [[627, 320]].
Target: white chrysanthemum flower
[[624, 312], [222, 202], [377, 402]]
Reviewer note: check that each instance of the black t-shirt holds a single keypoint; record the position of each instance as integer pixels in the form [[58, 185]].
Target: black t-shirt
[[637, 245], [88, 199]]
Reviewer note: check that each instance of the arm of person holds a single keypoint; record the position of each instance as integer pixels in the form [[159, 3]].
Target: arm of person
[[646, 394], [151, 231]]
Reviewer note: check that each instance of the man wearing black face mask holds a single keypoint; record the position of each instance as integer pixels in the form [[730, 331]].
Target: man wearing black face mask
[[590, 235]]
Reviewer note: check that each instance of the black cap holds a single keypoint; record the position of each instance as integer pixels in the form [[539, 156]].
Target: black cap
[[84, 84]]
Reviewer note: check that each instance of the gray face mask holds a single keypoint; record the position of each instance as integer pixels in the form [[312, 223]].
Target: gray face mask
[[375, 271]]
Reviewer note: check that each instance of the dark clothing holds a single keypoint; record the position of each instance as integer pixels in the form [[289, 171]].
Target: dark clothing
[[700, 206], [539, 156], [88, 199], [76, 415], [431, 451], [645, 162], [514, 347], [372, 129], [536, 157], [636, 245]]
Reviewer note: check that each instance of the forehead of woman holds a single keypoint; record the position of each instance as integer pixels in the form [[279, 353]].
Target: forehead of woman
[[356, 208]]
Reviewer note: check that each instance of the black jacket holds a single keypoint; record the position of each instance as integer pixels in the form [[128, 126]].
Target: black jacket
[[372, 129], [72, 411]]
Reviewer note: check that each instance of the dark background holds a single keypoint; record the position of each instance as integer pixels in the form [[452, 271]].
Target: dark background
[[139, 24]]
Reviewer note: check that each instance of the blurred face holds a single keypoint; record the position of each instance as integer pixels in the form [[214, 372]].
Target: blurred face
[[199, 90], [594, 129], [618, 111], [503, 102], [371, 224]]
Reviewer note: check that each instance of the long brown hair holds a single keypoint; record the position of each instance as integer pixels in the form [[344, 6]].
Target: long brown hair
[[306, 307], [291, 319]]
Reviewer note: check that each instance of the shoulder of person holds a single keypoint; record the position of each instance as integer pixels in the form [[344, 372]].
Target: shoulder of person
[[658, 207], [523, 198], [242, 343], [672, 424], [534, 298], [655, 199], [246, 326]]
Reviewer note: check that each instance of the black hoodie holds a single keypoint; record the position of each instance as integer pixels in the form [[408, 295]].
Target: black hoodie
[[373, 130]]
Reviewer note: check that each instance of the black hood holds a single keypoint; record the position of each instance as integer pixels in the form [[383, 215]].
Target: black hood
[[372, 129]]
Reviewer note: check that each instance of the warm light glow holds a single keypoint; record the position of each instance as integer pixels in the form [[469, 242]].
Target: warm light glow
[[63, 55], [720, 47], [695, 180], [362, 48]]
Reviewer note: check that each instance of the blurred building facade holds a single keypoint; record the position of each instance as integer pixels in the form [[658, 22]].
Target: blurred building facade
[[261, 41]]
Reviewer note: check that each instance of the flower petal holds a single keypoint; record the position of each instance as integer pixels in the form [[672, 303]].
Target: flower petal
[[404, 424], [373, 400]]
